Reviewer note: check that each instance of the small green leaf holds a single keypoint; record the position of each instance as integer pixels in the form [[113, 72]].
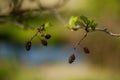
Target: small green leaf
[[81, 23], [93, 27], [85, 19], [73, 20], [48, 24], [91, 23]]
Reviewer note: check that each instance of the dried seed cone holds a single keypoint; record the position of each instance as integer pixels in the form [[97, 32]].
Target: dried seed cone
[[44, 42], [86, 50], [47, 36], [28, 45], [71, 58]]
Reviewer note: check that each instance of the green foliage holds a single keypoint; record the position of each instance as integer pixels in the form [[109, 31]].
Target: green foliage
[[93, 25], [82, 21], [85, 19], [81, 24], [73, 20], [85, 22], [48, 24]]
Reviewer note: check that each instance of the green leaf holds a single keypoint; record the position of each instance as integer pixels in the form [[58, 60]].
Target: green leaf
[[81, 24], [93, 27], [91, 23], [73, 20], [48, 24], [85, 19]]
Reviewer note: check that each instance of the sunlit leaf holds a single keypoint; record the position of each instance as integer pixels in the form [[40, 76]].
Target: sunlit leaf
[[73, 21], [48, 24]]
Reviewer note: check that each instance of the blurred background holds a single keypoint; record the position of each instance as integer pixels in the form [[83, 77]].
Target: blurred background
[[51, 62]]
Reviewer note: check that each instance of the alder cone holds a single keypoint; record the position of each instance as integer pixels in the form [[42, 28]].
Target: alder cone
[[44, 42], [28, 45], [47, 36], [86, 50], [71, 58]]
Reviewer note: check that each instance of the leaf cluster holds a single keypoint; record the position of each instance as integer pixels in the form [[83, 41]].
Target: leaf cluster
[[82, 21]]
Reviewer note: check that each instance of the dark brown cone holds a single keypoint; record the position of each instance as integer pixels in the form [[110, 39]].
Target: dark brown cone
[[71, 58], [44, 42], [47, 36], [86, 50], [28, 45]]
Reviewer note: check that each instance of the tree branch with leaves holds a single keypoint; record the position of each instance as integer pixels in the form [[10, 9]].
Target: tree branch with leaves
[[17, 15], [82, 22]]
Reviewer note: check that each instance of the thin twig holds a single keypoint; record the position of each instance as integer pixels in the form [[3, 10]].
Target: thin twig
[[97, 29], [104, 30], [38, 37], [78, 43], [107, 31], [34, 35]]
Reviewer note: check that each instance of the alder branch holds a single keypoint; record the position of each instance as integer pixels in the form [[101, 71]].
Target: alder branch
[[79, 42], [86, 50], [107, 31]]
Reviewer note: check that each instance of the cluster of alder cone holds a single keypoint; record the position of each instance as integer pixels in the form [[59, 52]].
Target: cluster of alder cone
[[72, 56], [44, 37], [41, 35]]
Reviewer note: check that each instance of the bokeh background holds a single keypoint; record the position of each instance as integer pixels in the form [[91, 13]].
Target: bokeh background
[[51, 62]]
